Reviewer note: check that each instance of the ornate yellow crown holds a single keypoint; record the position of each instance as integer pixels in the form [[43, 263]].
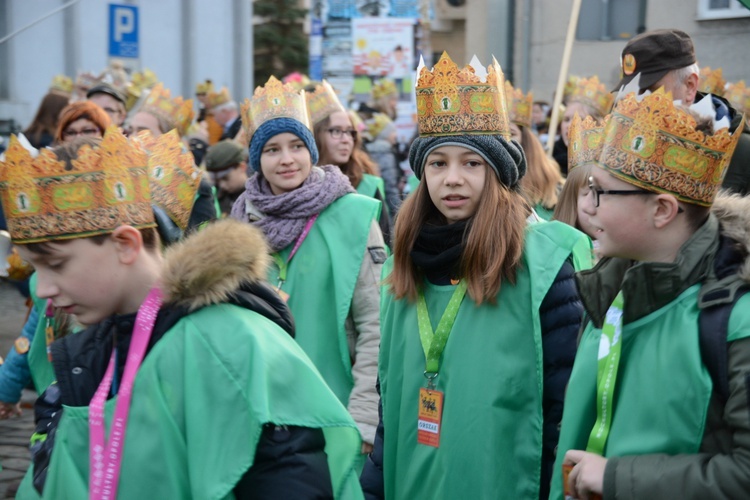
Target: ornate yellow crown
[[456, 102], [214, 99], [62, 85], [274, 100], [712, 81], [652, 144], [322, 102], [591, 92], [570, 87], [377, 124], [105, 187], [204, 87], [739, 96], [586, 140], [144, 79], [384, 87], [519, 105], [173, 176], [178, 112]]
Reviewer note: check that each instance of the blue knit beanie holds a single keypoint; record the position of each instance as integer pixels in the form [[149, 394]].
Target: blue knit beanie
[[279, 126], [505, 157]]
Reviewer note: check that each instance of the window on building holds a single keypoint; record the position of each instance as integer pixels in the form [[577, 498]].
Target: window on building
[[721, 9], [611, 19]]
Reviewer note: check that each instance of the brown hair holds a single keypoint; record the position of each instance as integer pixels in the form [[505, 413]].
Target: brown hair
[[567, 205], [47, 116], [492, 250], [359, 162], [81, 109], [543, 179]]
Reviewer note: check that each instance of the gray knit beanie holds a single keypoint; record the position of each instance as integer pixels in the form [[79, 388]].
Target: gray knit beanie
[[505, 157]]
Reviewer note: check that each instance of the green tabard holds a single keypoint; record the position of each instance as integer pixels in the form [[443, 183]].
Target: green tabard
[[200, 400], [370, 185], [41, 369], [491, 374], [320, 282]]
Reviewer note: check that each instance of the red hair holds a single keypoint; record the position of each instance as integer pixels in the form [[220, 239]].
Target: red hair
[[81, 109]]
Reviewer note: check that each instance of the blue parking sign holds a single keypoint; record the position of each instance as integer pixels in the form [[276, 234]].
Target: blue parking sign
[[123, 30]]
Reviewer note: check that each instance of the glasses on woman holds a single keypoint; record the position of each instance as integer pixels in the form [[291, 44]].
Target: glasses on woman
[[337, 133], [70, 133]]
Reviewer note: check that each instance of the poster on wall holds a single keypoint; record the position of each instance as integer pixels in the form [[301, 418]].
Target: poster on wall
[[327, 10], [337, 57]]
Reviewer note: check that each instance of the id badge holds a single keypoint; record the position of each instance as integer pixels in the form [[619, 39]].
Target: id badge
[[429, 417], [284, 296], [566, 468]]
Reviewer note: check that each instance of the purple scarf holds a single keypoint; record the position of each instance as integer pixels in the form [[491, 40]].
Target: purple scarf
[[283, 217]]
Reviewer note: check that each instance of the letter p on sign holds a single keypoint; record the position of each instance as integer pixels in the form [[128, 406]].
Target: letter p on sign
[[123, 31]]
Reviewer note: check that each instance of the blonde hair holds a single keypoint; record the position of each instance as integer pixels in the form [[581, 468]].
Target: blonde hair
[[543, 179], [567, 205]]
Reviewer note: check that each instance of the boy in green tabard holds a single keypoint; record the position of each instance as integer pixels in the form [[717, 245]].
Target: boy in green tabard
[[645, 413], [187, 382]]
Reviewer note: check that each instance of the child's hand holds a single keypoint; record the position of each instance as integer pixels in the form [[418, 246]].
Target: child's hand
[[8, 410], [586, 480]]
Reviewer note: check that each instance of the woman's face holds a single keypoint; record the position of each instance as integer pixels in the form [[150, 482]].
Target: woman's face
[[515, 132], [285, 162], [574, 108], [82, 127], [145, 121], [338, 139], [455, 179]]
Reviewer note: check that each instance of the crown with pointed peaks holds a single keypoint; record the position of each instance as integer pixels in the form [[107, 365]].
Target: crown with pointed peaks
[[585, 140], [711, 81], [738, 96], [377, 124], [321, 103], [519, 105], [145, 79], [45, 199], [173, 176], [383, 88], [593, 93], [214, 99], [177, 112], [204, 87], [651, 143], [62, 85], [274, 100], [453, 101]]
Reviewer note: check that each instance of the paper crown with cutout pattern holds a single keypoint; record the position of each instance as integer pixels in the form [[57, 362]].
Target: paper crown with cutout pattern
[[274, 100], [177, 112], [453, 101], [383, 88], [322, 102], [652, 144], [519, 105], [215, 99], [61, 85], [738, 96], [585, 141], [104, 187], [173, 176], [592, 93], [711, 81]]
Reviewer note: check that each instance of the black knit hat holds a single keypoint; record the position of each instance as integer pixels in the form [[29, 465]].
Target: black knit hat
[[654, 54], [505, 157]]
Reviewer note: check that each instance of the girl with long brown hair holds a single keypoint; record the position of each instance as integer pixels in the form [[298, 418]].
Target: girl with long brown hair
[[484, 392]]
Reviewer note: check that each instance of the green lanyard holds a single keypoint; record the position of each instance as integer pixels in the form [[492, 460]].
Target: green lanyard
[[434, 343], [610, 347]]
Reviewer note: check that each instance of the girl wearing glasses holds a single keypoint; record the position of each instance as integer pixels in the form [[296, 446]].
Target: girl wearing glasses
[[479, 314], [326, 246], [340, 144]]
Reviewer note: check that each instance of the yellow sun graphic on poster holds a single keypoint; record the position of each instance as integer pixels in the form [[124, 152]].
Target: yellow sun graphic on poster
[[361, 43]]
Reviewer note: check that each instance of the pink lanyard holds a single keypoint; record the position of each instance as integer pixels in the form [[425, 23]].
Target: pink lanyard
[[105, 459], [302, 237]]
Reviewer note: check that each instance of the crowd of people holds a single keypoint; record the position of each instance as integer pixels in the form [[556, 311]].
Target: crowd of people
[[258, 301]]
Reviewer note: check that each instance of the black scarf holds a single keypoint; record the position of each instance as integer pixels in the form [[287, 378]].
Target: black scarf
[[437, 251]]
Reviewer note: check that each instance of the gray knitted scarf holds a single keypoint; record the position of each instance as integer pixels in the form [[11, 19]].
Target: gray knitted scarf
[[282, 217]]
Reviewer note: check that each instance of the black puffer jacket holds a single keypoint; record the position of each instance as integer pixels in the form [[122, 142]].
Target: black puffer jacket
[[560, 313]]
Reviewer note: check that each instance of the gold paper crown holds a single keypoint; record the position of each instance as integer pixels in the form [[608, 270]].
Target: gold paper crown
[[570, 87], [519, 105], [356, 120], [377, 124], [274, 100], [144, 79], [62, 85], [457, 102], [383, 88], [173, 176], [204, 87], [654, 145], [214, 99], [586, 138], [712, 81], [322, 103], [591, 92], [106, 187], [178, 112], [739, 96]]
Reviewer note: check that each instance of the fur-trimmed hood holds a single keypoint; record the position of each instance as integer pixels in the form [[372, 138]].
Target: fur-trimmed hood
[[733, 212], [213, 263]]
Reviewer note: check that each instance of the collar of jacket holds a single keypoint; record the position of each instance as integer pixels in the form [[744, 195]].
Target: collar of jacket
[[648, 286]]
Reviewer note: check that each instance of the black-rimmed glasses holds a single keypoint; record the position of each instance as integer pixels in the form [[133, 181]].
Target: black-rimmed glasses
[[597, 192], [336, 133]]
